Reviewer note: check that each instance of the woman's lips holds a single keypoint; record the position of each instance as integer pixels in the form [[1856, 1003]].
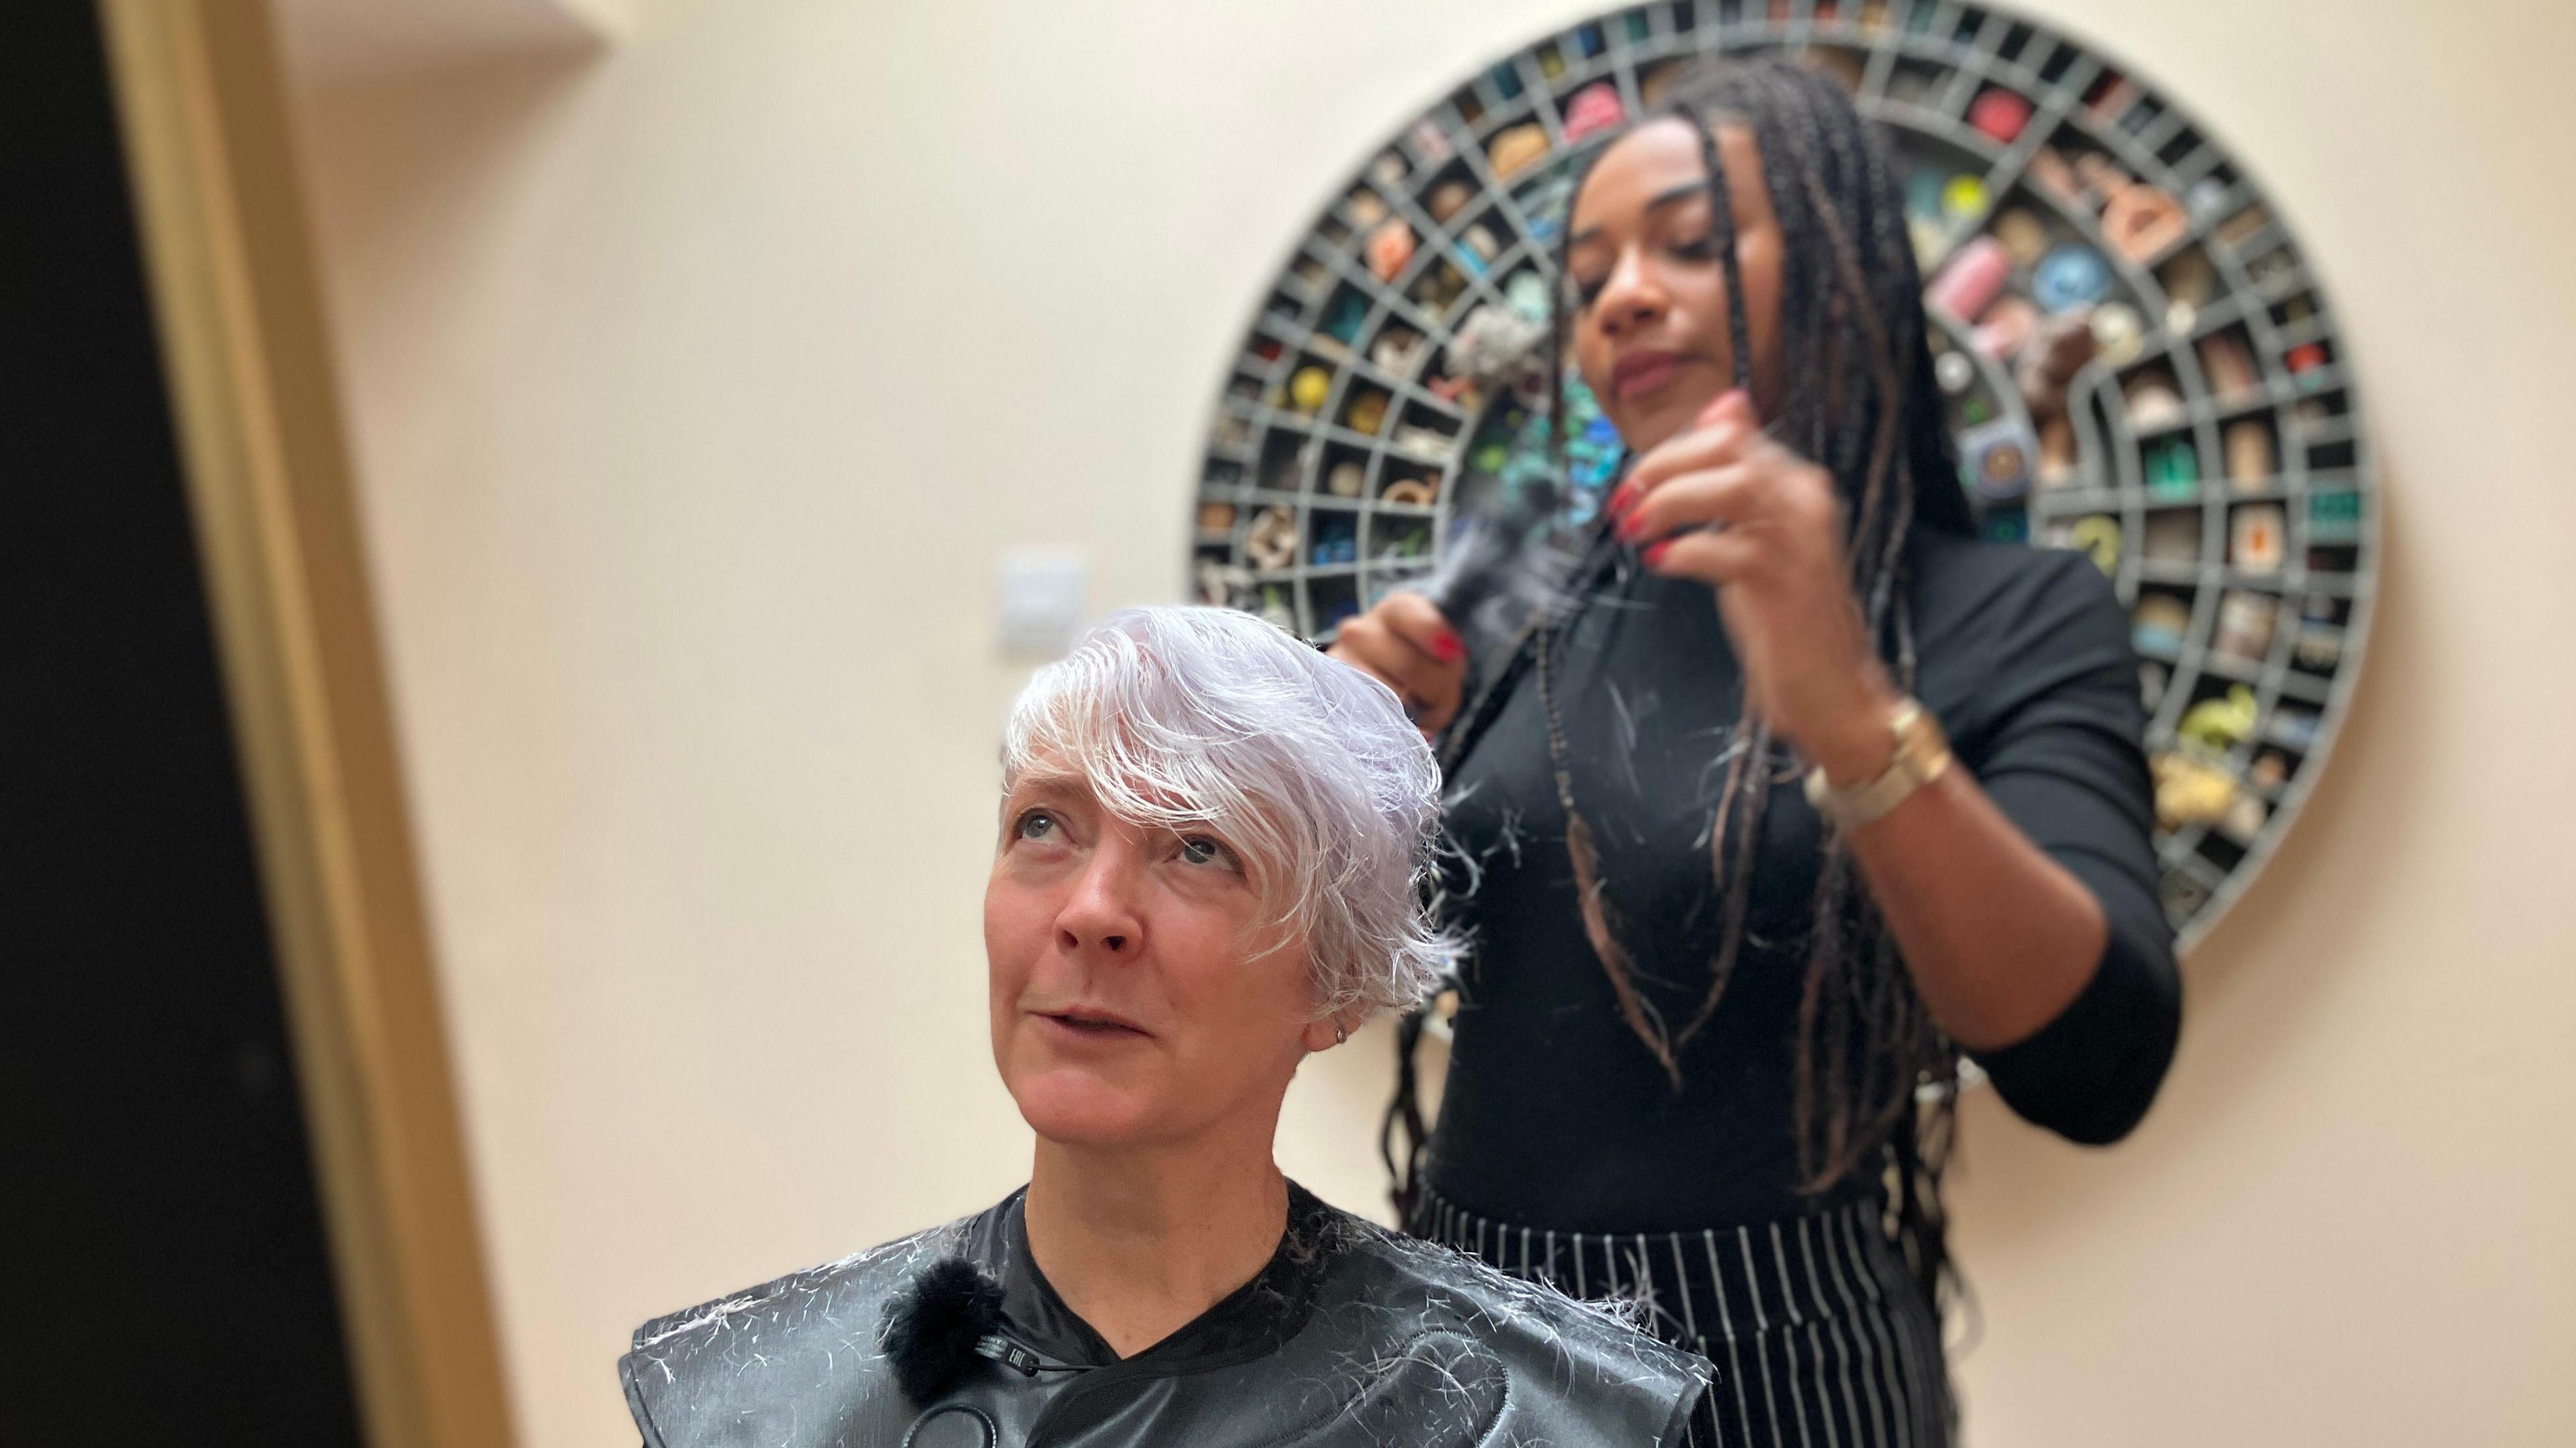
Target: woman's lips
[[1087, 1027], [1641, 374]]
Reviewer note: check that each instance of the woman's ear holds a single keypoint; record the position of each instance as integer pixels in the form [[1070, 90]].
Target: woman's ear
[[1326, 1032]]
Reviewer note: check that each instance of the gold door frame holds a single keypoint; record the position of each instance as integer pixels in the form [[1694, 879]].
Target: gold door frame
[[237, 296]]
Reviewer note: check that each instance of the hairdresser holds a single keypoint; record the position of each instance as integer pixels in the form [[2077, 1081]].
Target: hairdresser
[[1794, 799]]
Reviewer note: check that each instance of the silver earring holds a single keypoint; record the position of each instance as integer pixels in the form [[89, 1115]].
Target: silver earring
[[1341, 1034]]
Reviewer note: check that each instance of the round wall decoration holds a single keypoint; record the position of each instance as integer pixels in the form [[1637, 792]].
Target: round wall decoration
[[2137, 360]]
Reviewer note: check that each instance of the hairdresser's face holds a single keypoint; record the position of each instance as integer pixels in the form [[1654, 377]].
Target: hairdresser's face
[[1649, 292], [1135, 999]]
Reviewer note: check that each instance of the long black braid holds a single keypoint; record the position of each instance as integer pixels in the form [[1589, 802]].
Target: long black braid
[[1875, 1074]]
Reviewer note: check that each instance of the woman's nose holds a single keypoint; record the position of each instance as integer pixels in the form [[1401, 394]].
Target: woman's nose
[[1631, 297], [1101, 914]]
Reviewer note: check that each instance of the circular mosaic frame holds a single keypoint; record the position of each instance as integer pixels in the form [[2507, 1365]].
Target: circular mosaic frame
[[2209, 452]]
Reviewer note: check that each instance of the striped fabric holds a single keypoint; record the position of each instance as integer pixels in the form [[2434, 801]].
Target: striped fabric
[[1819, 1335]]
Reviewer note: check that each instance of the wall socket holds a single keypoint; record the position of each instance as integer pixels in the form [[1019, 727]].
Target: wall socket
[[1041, 600]]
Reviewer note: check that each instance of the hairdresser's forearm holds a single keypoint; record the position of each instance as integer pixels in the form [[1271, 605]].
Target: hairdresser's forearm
[[2000, 937]]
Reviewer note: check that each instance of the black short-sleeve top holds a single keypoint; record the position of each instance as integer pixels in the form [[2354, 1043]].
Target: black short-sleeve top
[[1554, 1112]]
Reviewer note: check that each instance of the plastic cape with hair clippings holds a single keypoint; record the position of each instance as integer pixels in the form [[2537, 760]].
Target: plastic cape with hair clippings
[[1351, 1335]]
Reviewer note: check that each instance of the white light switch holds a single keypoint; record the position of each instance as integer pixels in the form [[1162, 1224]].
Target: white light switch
[[1042, 593]]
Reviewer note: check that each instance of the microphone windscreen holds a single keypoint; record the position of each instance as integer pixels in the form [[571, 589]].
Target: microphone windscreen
[[933, 1322]]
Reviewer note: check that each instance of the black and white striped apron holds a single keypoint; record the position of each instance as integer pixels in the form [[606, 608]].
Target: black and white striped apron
[[1820, 1337]]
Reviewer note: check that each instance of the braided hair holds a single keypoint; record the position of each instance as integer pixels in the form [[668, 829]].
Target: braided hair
[[1874, 1072]]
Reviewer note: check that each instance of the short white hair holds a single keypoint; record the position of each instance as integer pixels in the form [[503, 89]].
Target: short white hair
[[1309, 768]]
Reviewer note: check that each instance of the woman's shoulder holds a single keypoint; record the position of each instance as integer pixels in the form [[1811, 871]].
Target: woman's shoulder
[[850, 1281], [1454, 1289], [2007, 599], [1555, 1368], [767, 1355], [2001, 627], [1959, 572]]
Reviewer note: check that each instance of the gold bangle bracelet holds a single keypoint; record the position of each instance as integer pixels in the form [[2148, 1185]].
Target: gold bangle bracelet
[[1922, 755]]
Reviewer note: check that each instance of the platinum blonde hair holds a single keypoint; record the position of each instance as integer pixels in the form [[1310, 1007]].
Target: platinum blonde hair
[[1306, 766]]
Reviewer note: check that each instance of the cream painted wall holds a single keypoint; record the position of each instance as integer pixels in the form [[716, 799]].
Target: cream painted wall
[[697, 384]]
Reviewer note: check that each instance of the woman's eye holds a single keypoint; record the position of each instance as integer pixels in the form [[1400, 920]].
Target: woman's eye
[[1200, 850], [1037, 824], [1699, 248], [1587, 292]]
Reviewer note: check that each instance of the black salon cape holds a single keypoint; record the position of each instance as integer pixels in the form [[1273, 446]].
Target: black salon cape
[[1352, 1335]]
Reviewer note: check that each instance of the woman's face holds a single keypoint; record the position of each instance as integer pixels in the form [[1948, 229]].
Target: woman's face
[[1134, 1002], [1649, 294]]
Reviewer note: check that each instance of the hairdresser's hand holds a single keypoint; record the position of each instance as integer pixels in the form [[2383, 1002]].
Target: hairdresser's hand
[[1763, 526], [1406, 642]]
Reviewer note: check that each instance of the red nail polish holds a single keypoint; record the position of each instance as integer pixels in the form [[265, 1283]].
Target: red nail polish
[[1448, 647], [1655, 555], [1629, 529], [1623, 498]]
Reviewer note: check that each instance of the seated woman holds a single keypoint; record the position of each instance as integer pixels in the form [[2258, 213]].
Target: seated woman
[[1212, 842]]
